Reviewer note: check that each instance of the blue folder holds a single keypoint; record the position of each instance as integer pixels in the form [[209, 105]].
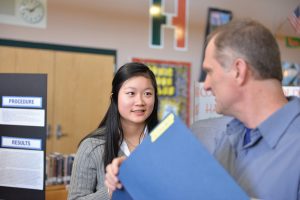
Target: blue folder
[[172, 164]]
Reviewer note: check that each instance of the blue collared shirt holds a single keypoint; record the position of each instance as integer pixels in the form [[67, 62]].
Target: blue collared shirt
[[269, 166]]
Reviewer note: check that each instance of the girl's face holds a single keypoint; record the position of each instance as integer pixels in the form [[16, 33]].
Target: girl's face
[[136, 100]]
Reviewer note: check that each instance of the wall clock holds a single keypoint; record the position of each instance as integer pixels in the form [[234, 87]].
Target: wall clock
[[31, 11]]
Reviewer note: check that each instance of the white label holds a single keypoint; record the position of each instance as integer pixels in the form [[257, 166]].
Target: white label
[[23, 143], [23, 102]]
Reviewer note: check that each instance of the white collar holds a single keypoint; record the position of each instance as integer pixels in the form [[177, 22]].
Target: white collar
[[124, 146]]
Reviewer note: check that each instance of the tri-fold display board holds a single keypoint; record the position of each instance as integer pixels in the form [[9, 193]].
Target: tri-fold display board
[[23, 103]]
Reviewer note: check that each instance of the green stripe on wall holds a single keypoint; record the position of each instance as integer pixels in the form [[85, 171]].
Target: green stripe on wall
[[57, 47]]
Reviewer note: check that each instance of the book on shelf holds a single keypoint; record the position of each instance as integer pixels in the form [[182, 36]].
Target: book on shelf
[[59, 168]]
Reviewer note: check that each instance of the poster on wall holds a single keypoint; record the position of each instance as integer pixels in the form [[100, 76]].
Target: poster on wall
[[205, 104], [173, 81], [216, 17]]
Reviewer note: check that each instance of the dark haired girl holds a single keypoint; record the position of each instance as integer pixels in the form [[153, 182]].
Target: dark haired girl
[[131, 115]]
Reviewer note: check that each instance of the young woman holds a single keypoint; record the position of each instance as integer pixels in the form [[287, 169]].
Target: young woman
[[131, 115]]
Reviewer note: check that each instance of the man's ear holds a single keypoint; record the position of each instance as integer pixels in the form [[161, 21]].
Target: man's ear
[[241, 70]]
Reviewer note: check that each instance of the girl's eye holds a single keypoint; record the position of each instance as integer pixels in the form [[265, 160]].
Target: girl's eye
[[148, 93], [130, 93]]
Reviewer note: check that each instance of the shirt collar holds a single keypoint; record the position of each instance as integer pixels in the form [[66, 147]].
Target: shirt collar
[[288, 112], [234, 131], [124, 147]]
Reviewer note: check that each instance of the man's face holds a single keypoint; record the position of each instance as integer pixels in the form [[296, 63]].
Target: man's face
[[219, 81]]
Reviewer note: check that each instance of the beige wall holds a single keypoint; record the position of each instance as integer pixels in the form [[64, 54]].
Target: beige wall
[[124, 26]]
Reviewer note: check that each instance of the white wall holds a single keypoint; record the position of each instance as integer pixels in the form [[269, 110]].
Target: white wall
[[124, 26]]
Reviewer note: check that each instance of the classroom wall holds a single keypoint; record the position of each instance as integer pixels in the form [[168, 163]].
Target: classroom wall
[[124, 26]]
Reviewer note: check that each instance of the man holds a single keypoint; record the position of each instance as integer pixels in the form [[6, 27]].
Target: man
[[260, 147]]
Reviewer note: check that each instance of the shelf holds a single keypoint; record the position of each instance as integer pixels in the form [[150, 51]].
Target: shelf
[[56, 192]]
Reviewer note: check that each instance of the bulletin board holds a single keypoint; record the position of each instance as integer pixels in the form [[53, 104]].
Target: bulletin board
[[173, 81]]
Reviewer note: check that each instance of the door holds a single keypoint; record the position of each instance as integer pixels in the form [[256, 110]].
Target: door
[[78, 90], [82, 88]]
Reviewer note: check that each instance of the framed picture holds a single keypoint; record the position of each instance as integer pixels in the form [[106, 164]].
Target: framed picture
[[216, 17]]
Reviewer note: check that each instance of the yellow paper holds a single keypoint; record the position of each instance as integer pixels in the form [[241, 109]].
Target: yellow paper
[[162, 127]]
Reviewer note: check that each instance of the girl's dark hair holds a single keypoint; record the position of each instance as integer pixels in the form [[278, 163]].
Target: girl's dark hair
[[113, 134]]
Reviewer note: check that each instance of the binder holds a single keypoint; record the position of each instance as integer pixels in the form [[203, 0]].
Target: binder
[[172, 164]]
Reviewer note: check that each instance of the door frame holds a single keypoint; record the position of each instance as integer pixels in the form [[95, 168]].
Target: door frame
[[57, 47]]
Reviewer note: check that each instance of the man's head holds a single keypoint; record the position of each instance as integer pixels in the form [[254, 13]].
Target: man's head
[[235, 53], [251, 41]]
